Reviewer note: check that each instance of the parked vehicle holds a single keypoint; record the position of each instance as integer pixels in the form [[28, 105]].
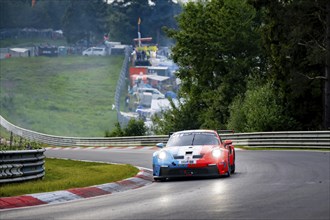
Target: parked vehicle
[[95, 51], [156, 94]]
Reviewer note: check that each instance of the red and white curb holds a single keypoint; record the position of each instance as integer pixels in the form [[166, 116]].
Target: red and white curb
[[143, 178]]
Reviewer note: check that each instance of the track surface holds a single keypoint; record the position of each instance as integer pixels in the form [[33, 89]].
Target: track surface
[[267, 185]]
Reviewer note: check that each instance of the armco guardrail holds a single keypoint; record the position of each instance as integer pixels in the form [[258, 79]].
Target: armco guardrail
[[294, 139], [17, 166], [297, 139]]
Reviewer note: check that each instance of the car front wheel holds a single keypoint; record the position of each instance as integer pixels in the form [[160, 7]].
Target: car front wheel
[[159, 179], [229, 168], [233, 169]]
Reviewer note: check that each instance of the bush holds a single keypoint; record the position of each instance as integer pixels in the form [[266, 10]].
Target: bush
[[260, 110], [18, 143], [116, 132], [177, 118], [133, 128]]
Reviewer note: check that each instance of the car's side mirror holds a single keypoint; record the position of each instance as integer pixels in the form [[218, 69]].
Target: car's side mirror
[[160, 145], [227, 143]]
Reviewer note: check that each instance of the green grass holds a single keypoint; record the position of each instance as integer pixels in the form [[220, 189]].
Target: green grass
[[67, 174], [65, 96], [4, 133]]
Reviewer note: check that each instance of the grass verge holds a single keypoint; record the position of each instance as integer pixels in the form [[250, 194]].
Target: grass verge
[[66, 174], [64, 96]]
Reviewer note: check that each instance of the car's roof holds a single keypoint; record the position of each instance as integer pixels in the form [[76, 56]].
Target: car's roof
[[196, 131]]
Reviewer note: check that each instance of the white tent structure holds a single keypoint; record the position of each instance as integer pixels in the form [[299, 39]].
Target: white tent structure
[[19, 52], [157, 78]]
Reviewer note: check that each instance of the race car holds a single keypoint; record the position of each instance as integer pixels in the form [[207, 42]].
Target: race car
[[194, 153]]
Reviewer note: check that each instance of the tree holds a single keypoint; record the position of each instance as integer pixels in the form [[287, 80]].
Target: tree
[[21, 14], [259, 110], [326, 95], [216, 48], [123, 20], [124, 16], [85, 20], [294, 36], [177, 118], [134, 128], [163, 15]]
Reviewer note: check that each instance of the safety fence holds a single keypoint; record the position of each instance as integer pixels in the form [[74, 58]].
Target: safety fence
[[121, 86], [17, 166], [287, 139]]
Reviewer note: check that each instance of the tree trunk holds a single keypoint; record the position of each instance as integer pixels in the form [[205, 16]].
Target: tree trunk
[[327, 73]]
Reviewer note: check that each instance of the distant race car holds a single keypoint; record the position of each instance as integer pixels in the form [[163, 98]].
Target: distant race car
[[194, 153]]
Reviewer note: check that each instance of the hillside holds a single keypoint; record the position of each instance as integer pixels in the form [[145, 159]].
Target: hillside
[[69, 96]]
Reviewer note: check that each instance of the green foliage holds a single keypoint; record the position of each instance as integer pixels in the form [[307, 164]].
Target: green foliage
[[116, 132], [20, 144], [124, 15], [294, 39], [8, 141], [133, 128], [177, 118], [217, 46], [89, 20], [85, 20], [20, 14], [237, 120], [260, 110]]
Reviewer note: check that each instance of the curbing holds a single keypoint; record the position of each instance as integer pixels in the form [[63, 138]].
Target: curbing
[[143, 178]]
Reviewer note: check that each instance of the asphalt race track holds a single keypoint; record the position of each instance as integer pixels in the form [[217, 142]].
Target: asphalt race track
[[267, 185]]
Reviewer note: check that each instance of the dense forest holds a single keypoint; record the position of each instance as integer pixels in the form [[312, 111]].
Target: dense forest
[[248, 65], [256, 65], [91, 19]]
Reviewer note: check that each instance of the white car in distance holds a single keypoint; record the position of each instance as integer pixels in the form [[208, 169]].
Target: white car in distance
[[156, 94], [95, 51]]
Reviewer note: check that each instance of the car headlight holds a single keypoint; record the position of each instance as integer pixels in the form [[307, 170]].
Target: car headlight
[[216, 153], [162, 155]]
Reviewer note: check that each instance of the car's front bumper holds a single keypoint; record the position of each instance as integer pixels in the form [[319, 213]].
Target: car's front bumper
[[168, 172]]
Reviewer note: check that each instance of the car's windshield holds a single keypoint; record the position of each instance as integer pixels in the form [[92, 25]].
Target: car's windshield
[[193, 138]]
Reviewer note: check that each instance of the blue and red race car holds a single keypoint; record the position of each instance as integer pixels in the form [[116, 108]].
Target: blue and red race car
[[194, 153]]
